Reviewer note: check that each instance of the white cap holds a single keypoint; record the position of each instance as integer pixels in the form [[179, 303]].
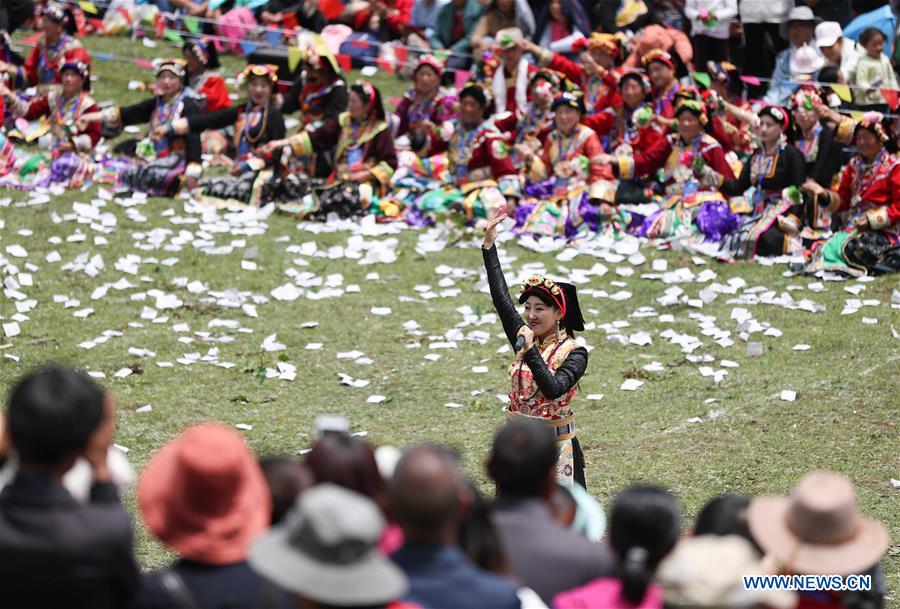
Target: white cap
[[827, 33]]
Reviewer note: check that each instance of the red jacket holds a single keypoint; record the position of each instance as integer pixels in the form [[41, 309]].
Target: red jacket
[[878, 195], [648, 161], [398, 17], [47, 106], [213, 88], [599, 93], [42, 67]]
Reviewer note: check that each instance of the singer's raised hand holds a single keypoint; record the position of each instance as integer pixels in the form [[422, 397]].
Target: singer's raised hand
[[490, 231]]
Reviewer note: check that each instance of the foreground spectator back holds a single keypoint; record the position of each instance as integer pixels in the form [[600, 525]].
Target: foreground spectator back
[[542, 554], [54, 551], [428, 497]]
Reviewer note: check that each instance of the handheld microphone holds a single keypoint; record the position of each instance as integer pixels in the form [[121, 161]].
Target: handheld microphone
[[520, 342]]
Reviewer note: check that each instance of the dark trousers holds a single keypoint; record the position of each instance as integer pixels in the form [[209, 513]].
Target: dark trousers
[[13, 13], [762, 42], [708, 49]]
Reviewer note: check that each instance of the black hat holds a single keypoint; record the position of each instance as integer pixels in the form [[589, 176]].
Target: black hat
[[562, 296]]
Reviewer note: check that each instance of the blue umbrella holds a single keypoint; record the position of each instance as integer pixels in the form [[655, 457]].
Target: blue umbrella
[[882, 18]]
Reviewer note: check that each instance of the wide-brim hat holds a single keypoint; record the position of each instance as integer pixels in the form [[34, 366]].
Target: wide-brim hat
[[805, 61], [818, 530], [204, 495], [326, 549], [798, 13]]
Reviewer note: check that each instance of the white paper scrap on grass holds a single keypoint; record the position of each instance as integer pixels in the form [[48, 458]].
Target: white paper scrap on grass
[[631, 385], [788, 395], [11, 329], [375, 399]]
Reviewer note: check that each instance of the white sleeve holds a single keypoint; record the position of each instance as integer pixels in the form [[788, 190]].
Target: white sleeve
[[530, 599]]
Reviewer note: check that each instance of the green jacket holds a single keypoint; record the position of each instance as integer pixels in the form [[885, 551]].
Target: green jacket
[[443, 27]]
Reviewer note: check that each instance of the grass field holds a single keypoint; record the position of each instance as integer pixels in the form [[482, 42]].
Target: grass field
[[680, 429]]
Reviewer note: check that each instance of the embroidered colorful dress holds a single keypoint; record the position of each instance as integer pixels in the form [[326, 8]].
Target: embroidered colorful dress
[[58, 117], [156, 167], [529, 126], [688, 172], [773, 217], [316, 103], [563, 181], [871, 190], [412, 111], [621, 135], [358, 147], [43, 63], [475, 167], [252, 126], [543, 379], [664, 101]]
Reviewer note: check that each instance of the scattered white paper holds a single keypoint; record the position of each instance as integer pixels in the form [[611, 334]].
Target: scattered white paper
[[631, 385]]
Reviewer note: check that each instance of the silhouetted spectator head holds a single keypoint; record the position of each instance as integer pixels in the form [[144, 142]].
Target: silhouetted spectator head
[[51, 416], [287, 478], [523, 459], [341, 459], [427, 495], [644, 525], [725, 515]]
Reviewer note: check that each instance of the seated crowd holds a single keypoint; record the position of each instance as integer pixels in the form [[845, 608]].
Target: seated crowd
[[349, 526], [572, 131]]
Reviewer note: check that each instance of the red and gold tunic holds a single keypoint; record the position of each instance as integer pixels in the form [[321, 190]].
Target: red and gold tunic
[[666, 153], [574, 160], [477, 154], [872, 190], [43, 63], [62, 115], [525, 396]]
